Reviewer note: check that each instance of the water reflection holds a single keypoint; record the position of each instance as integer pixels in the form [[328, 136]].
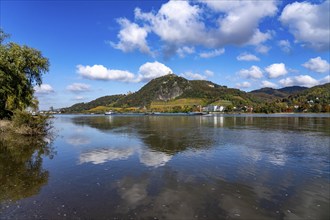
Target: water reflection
[[21, 171], [219, 167], [103, 155]]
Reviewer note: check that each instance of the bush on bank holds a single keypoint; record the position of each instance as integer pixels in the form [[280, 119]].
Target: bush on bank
[[25, 123]]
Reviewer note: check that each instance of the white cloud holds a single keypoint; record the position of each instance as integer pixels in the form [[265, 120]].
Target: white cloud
[[197, 76], [146, 72], [131, 37], [78, 98], [99, 72], [78, 87], [212, 53], [153, 70], [43, 89], [191, 75], [325, 80], [238, 20], [285, 45], [254, 72], [176, 22], [209, 73], [181, 24], [243, 85], [183, 51], [276, 70], [259, 37], [309, 23], [317, 65], [301, 80], [247, 57], [262, 49], [268, 84]]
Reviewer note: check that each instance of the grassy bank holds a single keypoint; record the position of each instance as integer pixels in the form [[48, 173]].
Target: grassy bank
[[26, 124]]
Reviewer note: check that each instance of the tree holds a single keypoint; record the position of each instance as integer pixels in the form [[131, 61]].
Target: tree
[[21, 68]]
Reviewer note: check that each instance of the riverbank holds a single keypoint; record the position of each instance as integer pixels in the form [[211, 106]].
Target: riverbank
[[24, 123]]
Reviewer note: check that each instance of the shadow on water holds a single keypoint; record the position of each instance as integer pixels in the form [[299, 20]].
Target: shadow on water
[[21, 159]]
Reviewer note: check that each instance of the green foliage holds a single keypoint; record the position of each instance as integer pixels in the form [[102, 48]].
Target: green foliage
[[315, 99], [102, 101], [270, 94], [28, 124], [21, 68]]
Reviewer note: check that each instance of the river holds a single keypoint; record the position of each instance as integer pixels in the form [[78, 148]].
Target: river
[[171, 167]]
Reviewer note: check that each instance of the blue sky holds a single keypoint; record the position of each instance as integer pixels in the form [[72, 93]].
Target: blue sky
[[99, 48]]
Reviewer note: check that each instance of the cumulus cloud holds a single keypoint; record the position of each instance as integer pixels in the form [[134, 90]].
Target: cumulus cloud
[[153, 70], [183, 51], [238, 20], [78, 98], [78, 87], [317, 65], [285, 46], [254, 72], [43, 89], [191, 75], [212, 53], [131, 37], [146, 72], [301, 80], [247, 57], [209, 73], [309, 23], [268, 84], [243, 85], [197, 76], [99, 72], [276, 70], [181, 24], [176, 22], [325, 80], [263, 49]]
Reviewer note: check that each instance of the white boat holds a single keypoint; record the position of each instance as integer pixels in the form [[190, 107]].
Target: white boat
[[109, 113]]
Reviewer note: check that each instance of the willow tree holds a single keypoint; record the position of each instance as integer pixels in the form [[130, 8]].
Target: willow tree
[[21, 68]]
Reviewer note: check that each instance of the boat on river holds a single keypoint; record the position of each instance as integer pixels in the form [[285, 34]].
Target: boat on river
[[109, 113]]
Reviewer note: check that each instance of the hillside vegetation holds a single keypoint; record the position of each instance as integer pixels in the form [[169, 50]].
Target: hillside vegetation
[[172, 93], [270, 94]]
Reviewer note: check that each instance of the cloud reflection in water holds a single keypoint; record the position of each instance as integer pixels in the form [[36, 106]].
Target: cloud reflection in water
[[103, 155]]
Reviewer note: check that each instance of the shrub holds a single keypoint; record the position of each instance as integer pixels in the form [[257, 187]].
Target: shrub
[[28, 124]]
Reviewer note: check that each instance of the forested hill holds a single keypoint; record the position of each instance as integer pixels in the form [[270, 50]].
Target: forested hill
[[102, 101], [270, 94], [175, 93], [316, 95], [172, 87]]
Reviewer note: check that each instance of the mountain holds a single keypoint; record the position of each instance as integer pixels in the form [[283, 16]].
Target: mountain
[[172, 87], [161, 89], [174, 93], [270, 94], [292, 89]]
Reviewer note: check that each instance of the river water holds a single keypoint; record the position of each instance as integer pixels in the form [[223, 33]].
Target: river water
[[170, 167]]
